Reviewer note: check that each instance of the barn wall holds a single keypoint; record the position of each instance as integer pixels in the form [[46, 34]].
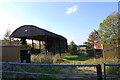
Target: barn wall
[[10, 53]]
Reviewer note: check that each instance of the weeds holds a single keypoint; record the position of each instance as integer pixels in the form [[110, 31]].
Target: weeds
[[66, 59], [46, 59]]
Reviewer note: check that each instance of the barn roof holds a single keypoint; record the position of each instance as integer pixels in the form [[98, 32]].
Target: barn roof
[[36, 33]]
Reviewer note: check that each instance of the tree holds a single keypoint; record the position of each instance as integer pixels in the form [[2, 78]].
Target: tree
[[108, 29], [8, 40], [88, 44], [7, 35], [72, 48], [93, 36]]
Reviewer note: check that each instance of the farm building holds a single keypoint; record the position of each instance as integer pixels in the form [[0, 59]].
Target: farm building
[[98, 47], [10, 53], [81, 47], [53, 43]]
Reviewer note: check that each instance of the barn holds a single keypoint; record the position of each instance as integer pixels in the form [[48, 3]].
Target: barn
[[54, 43]]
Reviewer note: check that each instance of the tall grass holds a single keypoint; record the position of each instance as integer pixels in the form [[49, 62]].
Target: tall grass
[[66, 59], [102, 61], [46, 59], [84, 59]]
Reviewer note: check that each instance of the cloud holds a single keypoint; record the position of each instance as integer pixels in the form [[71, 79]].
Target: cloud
[[72, 9]]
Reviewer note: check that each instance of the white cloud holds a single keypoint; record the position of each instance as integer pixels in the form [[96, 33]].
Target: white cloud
[[72, 9]]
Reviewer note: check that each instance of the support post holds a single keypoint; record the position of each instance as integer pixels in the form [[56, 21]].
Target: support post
[[32, 44], [23, 41], [59, 48], [46, 46], [99, 72], [39, 46], [104, 72], [54, 47]]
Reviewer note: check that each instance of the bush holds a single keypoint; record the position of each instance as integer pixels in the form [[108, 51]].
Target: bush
[[72, 48], [114, 70]]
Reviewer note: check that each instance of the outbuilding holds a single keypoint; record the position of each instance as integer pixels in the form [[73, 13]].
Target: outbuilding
[[54, 43], [10, 53]]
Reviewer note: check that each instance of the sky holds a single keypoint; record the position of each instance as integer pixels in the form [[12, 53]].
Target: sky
[[73, 20]]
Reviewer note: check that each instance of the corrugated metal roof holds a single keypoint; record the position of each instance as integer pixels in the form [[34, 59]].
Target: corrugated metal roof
[[33, 32]]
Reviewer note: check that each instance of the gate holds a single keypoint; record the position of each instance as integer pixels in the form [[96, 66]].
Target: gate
[[109, 76], [13, 66]]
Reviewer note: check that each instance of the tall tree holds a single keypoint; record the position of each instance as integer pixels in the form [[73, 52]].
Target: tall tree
[[93, 36], [72, 48], [109, 29]]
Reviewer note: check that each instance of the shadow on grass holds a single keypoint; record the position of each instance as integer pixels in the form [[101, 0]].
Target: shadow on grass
[[79, 57]]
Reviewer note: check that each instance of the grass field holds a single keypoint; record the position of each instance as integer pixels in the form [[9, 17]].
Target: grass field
[[82, 58], [85, 59]]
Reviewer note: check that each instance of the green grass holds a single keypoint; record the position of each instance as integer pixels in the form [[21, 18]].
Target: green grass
[[36, 69], [82, 58], [84, 73]]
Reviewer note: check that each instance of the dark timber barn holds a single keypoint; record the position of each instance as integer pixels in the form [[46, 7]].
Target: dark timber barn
[[53, 42]]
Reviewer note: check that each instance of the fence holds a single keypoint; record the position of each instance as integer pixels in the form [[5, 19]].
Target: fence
[[111, 51], [105, 74], [16, 65]]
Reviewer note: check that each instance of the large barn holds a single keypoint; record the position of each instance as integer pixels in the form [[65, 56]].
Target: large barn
[[53, 42]]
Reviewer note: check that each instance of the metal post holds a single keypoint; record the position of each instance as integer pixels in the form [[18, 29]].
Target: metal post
[[104, 72], [99, 72]]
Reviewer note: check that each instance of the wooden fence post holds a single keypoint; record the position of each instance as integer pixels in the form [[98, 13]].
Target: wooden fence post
[[13, 69], [104, 72], [99, 72]]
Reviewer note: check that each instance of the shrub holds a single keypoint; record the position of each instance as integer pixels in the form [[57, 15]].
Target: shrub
[[114, 70], [72, 48]]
